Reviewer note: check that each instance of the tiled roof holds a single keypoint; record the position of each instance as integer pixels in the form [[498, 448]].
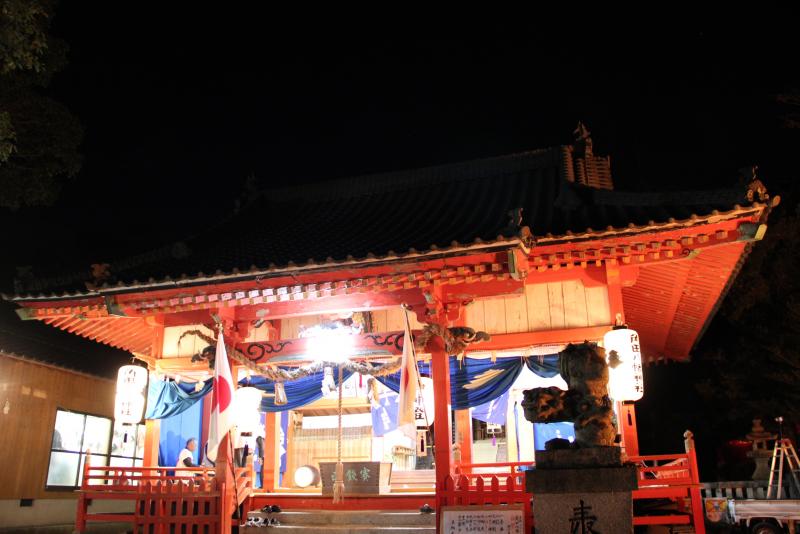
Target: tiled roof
[[33, 340], [435, 209]]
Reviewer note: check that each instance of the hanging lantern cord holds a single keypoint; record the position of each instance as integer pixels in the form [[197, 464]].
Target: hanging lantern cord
[[338, 485]]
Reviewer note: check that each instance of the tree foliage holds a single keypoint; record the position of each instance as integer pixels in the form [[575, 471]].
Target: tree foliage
[[39, 137], [752, 352]]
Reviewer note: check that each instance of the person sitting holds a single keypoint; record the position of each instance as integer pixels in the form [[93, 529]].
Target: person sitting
[[186, 458]]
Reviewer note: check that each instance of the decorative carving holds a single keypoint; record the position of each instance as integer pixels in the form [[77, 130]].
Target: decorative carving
[[456, 339], [256, 351], [755, 187], [395, 340], [585, 403], [514, 222], [101, 274], [583, 140], [286, 375]]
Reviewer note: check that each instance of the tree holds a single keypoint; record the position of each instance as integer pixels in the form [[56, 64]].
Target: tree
[[39, 137], [751, 354]]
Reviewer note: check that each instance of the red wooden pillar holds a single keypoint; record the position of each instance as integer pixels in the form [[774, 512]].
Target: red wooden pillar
[[270, 475], [614, 285], [464, 435], [463, 420], [153, 426], [442, 427]]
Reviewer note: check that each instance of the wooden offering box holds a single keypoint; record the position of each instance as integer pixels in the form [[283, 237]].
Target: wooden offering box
[[360, 478]]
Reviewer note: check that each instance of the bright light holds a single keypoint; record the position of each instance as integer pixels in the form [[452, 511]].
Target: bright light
[[130, 398], [330, 345], [624, 357]]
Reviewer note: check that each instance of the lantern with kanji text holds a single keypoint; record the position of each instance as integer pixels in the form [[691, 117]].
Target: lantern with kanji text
[[130, 398], [624, 357]]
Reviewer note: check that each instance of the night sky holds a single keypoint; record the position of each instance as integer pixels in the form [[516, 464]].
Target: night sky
[[178, 112], [179, 109]]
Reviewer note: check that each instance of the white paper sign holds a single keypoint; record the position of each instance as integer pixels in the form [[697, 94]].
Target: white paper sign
[[483, 519]]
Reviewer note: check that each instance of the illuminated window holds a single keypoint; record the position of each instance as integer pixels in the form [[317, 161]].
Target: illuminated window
[[107, 443]]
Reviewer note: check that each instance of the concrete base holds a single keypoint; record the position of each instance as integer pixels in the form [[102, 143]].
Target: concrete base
[[51, 512], [568, 513], [582, 491]]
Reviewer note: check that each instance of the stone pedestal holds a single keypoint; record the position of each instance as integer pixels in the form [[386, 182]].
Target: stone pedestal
[[763, 442], [582, 491], [763, 460]]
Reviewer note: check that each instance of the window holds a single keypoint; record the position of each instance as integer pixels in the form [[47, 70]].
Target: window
[[75, 433], [127, 445]]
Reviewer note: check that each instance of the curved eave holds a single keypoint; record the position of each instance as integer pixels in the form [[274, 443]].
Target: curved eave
[[391, 257]]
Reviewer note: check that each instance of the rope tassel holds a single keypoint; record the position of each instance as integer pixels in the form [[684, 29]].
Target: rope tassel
[[338, 485]]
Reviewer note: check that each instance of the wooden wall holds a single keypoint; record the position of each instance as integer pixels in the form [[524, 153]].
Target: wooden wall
[[389, 320], [551, 306], [33, 391]]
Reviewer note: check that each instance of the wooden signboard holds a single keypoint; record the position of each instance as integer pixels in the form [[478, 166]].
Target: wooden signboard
[[360, 478], [508, 519]]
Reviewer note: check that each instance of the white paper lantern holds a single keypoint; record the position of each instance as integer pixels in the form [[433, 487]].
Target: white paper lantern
[[130, 398], [246, 403], [624, 357]]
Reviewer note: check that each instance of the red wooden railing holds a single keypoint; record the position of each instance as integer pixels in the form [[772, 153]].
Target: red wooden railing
[[164, 507], [130, 483], [667, 476], [473, 489]]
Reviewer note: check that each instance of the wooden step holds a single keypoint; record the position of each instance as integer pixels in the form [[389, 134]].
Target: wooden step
[[353, 518], [340, 529]]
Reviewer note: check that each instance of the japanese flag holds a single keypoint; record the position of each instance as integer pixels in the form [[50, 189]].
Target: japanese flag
[[409, 382], [221, 400]]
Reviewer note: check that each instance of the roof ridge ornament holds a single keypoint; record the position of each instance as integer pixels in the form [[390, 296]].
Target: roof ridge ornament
[[755, 187], [583, 140], [101, 275]]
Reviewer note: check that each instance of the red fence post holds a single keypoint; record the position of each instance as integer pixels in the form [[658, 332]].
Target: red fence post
[[698, 517], [80, 514]]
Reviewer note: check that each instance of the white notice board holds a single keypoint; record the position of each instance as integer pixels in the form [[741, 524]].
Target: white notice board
[[508, 519]]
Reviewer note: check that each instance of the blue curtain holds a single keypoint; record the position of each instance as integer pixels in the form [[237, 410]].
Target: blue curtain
[[493, 411], [469, 370], [469, 373], [175, 430], [544, 366], [166, 399], [298, 392]]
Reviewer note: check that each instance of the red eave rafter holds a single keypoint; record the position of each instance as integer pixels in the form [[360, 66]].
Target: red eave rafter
[[669, 306], [641, 249]]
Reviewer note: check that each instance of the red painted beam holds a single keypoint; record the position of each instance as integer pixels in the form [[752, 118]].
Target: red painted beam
[[390, 343], [545, 337]]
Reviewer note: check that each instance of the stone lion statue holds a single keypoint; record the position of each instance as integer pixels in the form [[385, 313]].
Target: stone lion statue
[[585, 403]]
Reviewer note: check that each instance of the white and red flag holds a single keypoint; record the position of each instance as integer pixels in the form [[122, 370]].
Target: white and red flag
[[409, 386], [221, 400]]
